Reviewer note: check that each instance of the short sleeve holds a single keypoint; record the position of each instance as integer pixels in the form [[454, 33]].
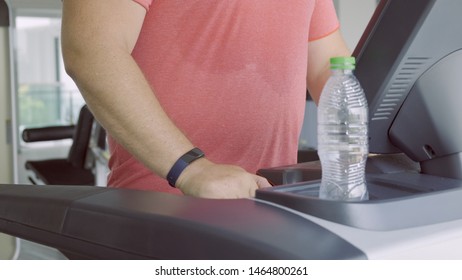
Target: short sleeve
[[144, 3], [324, 20]]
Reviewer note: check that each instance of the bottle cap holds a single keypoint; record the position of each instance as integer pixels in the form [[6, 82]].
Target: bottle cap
[[343, 62]]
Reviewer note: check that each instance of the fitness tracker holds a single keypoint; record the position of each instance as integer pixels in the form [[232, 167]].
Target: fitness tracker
[[181, 164]]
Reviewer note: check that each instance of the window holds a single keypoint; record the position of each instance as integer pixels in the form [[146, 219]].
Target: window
[[45, 94]]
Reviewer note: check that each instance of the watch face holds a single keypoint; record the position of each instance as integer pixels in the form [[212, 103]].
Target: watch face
[[193, 154]]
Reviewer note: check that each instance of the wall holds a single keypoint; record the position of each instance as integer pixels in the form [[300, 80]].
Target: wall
[[354, 16], [34, 4], [7, 242], [6, 172]]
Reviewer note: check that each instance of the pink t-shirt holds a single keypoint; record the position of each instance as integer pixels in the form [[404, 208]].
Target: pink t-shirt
[[231, 74]]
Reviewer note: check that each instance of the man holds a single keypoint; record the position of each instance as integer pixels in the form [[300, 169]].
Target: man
[[226, 76]]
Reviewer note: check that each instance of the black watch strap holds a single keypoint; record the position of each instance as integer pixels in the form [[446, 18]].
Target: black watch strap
[[181, 164]]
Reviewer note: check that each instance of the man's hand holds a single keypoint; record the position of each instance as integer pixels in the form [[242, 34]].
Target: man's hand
[[209, 180]]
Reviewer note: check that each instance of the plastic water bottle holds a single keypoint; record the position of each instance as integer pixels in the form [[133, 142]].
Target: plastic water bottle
[[342, 134]]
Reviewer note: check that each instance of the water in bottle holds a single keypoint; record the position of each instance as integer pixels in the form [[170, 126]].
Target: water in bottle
[[342, 134]]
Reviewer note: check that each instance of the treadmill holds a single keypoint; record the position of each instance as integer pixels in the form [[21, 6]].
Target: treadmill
[[415, 183]]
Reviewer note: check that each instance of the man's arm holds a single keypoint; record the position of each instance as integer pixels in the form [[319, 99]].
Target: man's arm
[[319, 53], [97, 40]]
